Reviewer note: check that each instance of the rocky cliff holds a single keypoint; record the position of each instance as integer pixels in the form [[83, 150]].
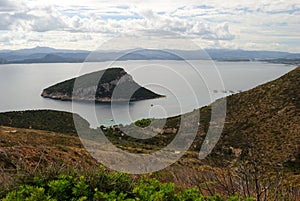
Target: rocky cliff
[[108, 85]]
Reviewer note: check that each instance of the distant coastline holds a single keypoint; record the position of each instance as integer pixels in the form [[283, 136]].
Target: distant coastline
[[51, 55]]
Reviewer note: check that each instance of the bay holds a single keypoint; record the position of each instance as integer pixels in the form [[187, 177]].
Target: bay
[[187, 85]]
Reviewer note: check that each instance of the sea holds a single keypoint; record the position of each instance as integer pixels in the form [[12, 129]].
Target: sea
[[187, 85]]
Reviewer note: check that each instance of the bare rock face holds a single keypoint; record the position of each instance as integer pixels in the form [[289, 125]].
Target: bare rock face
[[108, 85]]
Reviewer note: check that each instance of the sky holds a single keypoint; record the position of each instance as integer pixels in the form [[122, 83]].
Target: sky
[[86, 24]]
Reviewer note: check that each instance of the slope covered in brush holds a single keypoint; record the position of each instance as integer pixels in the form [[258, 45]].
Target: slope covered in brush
[[262, 124]]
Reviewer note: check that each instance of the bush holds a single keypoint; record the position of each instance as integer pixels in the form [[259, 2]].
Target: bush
[[153, 190], [143, 123], [101, 185]]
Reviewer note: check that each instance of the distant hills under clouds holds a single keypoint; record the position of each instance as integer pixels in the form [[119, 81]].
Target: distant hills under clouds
[[51, 55]]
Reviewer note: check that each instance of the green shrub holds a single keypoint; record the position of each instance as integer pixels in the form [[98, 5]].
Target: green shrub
[[29, 193], [104, 186], [190, 195], [111, 196], [143, 123], [153, 190]]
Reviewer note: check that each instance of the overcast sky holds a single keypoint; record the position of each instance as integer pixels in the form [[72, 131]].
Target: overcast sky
[[85, 24]]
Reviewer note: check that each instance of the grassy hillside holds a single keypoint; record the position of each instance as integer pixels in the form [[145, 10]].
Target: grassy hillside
[[49, 120], [264, 123]]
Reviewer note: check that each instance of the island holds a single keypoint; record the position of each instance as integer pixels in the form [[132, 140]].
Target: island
[[112, 84]]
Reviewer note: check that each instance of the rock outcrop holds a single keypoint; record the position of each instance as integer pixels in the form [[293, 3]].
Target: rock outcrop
[[108, 85]]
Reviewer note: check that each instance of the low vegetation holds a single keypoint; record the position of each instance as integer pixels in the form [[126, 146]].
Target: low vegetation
[[49, 120], [103, 185]]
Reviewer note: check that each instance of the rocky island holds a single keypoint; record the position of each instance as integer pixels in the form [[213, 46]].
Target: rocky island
[[113, 84]]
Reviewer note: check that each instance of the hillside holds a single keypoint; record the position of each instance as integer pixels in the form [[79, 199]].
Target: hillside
[[53, 58], [261, 126], [264, 123], [29, 148], [88, 87], [49, 120]]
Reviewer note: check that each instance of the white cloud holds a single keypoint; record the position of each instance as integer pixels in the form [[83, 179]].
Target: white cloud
[[9, 6], [37, 19], [212, 23]]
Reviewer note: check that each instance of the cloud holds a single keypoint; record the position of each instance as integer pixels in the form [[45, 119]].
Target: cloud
[[8, 6], [38, 19], [235, 24], [188, 27], [41, 19]]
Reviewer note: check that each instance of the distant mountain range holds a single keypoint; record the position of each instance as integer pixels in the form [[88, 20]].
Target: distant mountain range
[[51, 55]]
